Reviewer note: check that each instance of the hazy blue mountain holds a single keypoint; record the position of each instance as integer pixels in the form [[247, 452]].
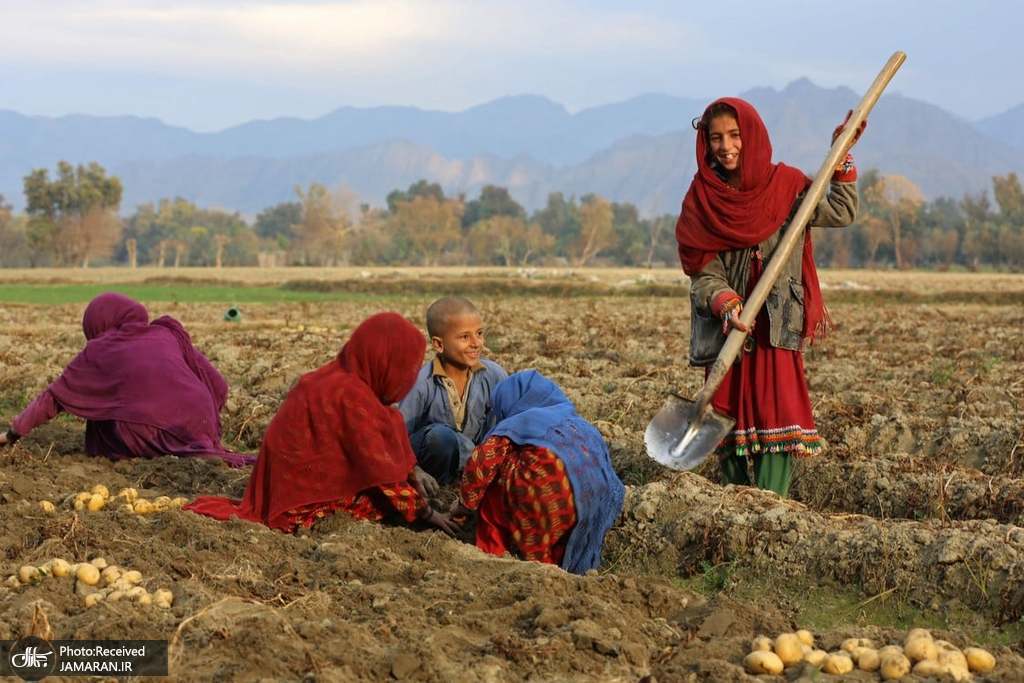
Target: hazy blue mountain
[[1008, 127], [639, 150]]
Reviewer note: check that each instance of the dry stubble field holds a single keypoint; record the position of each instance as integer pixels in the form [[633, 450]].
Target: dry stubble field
[[909, 519]]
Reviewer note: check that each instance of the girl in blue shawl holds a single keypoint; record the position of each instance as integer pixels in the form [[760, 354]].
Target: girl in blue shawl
[[541, 482]]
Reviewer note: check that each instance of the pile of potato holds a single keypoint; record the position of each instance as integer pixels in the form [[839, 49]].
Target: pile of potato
[[95, 581], [920, 654], [127, 500]]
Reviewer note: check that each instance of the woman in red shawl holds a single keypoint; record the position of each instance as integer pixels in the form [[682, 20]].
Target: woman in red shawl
[[732, 219], [143, 388], [336, 443]]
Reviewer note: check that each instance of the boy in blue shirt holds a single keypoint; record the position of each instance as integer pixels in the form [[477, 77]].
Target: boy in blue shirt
[[448, 410]]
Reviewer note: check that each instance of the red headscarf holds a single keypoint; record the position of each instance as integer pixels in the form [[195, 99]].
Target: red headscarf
[[336, 433], [718, 217]]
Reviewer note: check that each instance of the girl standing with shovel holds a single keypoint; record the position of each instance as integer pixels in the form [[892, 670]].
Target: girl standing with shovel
[[733, 217]]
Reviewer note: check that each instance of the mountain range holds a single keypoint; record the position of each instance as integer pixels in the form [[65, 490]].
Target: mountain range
[[639, 150]]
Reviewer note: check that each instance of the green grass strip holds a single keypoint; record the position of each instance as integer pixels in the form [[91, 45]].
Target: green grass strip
[[57, 294]]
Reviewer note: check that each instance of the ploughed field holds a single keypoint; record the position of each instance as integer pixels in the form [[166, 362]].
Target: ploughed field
[[910, 518]]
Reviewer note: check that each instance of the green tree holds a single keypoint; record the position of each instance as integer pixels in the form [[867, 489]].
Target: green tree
[[275, 223], [1010, 197], [561, 219], [507, 240], [14, 247], [74, 216], [493, 201], [178, 229], [421, 188]]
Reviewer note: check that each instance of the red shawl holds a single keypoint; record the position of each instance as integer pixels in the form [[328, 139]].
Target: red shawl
[[718, 217], [336, 433]]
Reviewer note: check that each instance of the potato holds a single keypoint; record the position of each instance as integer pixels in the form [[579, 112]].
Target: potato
[[46, 568], [99, 562], [762, 662], [93, 599], [128, 494], [890, 650], [132, 576], [28, 574], [946, 645], [161, 503], [806, 637], [88, 574], [928, 667], [867, 659], [60, 568], [815, 657], [143, 507], [96, 503], [135, 591], [179, 502], [80, 504], [164, 598], [894, 667], [761, 644], [47, 506], [788, 647], [110, 575], [837, 663], [918, 633], [101, 490], [83, 496], [12, 582], [127, 507], [114, 596], [122, 584], [144, 599], [921, 649], [979, 661], [953, 659], [851, 644]]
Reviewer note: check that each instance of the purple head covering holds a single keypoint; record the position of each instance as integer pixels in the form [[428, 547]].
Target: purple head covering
[[110, 311], [145, 373]]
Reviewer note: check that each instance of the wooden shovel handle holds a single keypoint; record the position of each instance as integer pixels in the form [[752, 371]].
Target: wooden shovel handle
[[795, 231]]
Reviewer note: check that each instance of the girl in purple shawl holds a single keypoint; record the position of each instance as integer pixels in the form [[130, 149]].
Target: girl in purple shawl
[[143, 389]]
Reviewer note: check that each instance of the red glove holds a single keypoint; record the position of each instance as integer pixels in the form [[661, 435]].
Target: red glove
[[841, 126]]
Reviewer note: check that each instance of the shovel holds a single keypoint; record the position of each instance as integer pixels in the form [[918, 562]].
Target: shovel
[[684, 433]]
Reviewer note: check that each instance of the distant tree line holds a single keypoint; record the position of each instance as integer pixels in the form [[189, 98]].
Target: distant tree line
[[72, 219]]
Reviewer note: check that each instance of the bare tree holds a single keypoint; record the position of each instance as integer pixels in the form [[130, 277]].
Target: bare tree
[[597, 231], [180, 248], [220, 241], [132, 245]]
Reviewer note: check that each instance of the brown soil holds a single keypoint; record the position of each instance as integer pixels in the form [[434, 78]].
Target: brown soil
[[926, 398]]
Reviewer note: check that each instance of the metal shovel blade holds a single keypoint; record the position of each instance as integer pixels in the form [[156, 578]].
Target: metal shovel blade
[[681, 439]]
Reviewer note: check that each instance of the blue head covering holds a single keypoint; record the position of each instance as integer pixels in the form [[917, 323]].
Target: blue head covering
[[530, 409]]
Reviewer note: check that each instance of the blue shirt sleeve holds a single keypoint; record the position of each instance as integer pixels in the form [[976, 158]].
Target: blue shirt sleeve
[[413, 405]]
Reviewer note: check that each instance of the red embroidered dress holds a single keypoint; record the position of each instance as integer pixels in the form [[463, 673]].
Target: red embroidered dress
[[766, 391], [374, 505], [523, 497]]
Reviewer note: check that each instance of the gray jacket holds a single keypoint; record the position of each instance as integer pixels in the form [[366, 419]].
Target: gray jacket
[[730, 271]]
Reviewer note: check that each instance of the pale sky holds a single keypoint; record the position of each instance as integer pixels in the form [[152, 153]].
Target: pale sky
[[208, 65]]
